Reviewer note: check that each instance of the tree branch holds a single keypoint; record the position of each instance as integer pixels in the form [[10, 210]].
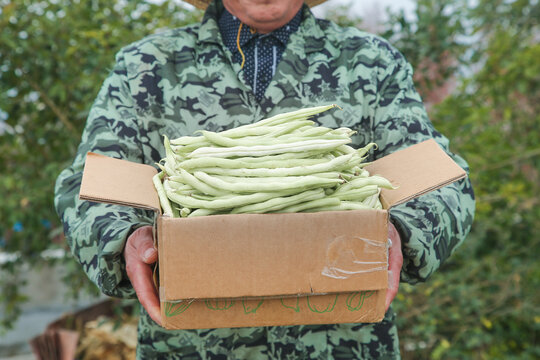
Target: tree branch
[[523, 156], [55, 109]]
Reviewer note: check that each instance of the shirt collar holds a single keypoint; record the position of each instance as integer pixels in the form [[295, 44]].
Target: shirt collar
[[229, 24], [310, 37]]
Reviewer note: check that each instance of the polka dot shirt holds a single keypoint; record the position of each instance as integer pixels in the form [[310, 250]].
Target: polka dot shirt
[[262, 52]]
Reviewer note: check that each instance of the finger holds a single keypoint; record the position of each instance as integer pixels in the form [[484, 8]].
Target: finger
[[139, 270], [142, 241], [147, 293], [395, 263], [141, 278], [393, 286]]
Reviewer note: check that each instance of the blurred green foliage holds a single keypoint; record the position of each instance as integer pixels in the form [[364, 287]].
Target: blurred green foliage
[[432, 41], [54, 55], [484, 302], [481, 59]]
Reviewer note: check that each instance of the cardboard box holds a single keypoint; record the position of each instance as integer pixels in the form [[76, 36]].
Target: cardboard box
[[272, 269]]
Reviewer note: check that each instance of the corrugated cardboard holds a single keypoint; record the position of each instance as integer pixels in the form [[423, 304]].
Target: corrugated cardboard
[[273, 269], [416, 170]]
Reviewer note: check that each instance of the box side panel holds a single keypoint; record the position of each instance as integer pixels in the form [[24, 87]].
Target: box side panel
[[121, 182], [354, 307], [416, 170], [233, 256]]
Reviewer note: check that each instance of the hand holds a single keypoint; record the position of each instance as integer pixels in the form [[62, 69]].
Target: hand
[[395, 262], [139, 255]]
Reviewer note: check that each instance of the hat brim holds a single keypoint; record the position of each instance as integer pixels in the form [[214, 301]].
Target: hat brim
[[203, 4]]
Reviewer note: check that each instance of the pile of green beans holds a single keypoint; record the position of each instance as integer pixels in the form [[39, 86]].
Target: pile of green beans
[[281, 164]]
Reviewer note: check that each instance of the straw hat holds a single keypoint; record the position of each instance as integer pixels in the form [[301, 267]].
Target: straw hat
[[202, 4]]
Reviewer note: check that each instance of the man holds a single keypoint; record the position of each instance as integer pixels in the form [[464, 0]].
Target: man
[[247, 60]]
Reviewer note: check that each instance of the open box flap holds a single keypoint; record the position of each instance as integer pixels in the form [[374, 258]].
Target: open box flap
[[255, 255], [416, 170], [121, 182]]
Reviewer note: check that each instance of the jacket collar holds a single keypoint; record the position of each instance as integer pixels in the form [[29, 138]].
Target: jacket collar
[[209, 30], [308, 39]]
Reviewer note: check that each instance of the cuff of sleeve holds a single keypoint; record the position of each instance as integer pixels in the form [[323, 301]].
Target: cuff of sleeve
[[112, 278], [409, 254]]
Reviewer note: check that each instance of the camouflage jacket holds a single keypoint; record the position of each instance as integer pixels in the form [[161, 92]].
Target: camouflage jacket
[[182, 80]]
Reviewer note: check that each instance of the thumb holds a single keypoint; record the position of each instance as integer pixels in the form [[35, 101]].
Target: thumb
[[143, 243], [147, 252]]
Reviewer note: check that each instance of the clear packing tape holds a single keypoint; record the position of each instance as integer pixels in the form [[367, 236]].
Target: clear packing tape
[[350, 256]]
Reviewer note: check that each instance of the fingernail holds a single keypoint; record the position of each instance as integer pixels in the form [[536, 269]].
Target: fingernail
[[148, 253]]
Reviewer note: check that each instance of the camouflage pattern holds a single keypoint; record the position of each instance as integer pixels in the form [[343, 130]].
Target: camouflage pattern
[[345, 341], [183, 80]]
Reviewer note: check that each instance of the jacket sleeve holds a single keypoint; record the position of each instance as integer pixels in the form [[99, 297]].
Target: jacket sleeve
[[433, 225], [95, 232]]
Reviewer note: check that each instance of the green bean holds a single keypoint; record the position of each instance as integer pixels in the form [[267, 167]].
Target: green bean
[[343, 205], [355, 194], [288, 128], [308, 205], [236, 133], [182, 151], [363, 151], [179, 185], [359, 182], [202, 212], [272, 179], [288, 116], [218, 139], [261, 150], [188, 140], [163, 200], [199, 196], [225, 141], [289, 138], [372, 180], [279, 202], [328, 175], [245, 163], [191, 180], [169, 153], [314, 131], [223, 203], [244, 185], [181, 189], [343, 131], [311, 154], [345, 149], [372, 201], [184, 212], [336, 164]]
